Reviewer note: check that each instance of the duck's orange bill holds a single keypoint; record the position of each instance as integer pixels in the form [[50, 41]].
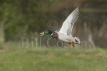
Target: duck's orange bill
[[72, 45], [74, 42]]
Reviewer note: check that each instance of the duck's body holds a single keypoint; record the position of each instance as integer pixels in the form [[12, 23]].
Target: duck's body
[[64, 33], [62, 37]]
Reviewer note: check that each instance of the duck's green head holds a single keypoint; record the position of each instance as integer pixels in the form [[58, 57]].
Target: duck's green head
[[46, 32]]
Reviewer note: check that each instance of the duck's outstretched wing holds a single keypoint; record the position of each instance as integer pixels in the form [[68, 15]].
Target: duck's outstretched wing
[[69, 22]]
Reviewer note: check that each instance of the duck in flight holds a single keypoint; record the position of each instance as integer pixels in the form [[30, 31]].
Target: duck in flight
[[64, 33]]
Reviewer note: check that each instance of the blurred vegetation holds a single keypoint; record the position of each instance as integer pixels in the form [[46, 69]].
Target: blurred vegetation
[[15, 58], [29, 17]]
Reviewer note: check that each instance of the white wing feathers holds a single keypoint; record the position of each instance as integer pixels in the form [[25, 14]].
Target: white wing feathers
[[69, 22]]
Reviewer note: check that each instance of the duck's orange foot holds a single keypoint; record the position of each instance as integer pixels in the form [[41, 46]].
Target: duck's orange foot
[[72, 45]]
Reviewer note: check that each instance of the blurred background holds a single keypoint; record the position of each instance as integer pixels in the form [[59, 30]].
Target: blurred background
[[27, 18], [22, 48]]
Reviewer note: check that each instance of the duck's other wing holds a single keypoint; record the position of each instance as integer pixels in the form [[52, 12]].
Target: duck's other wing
[[57, 30]]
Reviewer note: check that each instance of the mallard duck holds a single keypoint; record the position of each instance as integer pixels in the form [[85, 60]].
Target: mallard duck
[[64, 33]]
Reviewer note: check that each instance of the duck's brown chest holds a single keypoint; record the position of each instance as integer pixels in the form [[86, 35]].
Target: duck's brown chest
[[54, 35]]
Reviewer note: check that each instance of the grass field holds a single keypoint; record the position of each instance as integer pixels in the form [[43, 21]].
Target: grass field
[[16, 58]]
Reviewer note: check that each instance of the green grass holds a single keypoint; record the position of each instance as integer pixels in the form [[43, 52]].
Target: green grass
[[52, 59]]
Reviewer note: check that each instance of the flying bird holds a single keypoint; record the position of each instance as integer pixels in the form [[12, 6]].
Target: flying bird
[[65, 32]]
